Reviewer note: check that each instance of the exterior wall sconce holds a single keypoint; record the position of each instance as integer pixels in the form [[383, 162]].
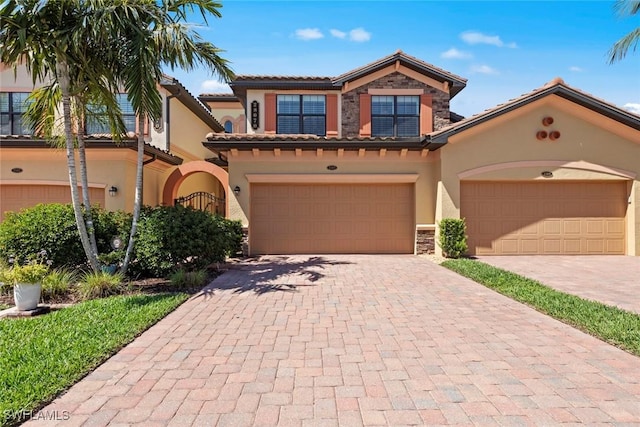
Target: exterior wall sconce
[[113, 191], [236, 190]]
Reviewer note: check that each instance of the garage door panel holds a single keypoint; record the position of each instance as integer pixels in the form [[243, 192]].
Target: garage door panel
[[332, 218], [19, 196], [561, 217]]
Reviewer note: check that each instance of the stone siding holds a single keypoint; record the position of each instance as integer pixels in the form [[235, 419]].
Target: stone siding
[[395, 80], [425, 242]]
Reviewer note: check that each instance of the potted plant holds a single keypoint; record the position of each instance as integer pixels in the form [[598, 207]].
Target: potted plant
[[27, 282], [109, 261]]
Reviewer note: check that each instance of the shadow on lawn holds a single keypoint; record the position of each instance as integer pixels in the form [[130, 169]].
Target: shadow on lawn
[[271, 273]]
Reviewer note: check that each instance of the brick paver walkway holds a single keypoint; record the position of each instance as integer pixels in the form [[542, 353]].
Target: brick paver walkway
[[612, 280], [353, 340]]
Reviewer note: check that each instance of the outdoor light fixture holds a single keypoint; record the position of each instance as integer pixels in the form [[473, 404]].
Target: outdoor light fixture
[[547, 174], [113, 191], [236, 190]]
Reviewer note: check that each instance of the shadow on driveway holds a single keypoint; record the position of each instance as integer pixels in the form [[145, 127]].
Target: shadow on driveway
[[265, 274]]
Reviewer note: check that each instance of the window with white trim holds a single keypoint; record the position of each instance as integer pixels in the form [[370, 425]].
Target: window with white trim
[[96, 117], [301, 114], [395, 115], [12, 108]]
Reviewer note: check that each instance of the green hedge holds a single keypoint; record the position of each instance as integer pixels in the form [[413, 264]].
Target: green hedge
[[52, 227], [452, 238], [169, 238]]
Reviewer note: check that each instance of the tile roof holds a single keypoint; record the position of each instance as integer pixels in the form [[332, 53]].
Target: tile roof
[[244, 141], [101, 141], [191, 102], [243, 82]]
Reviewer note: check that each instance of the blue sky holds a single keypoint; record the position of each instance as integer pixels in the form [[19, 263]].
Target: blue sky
[[504, 49]]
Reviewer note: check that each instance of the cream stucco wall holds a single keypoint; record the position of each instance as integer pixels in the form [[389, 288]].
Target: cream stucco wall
[[308, 162], [187, 132], [258, 95], [106, 168], [506, 148], [200, 181], [233, 111]]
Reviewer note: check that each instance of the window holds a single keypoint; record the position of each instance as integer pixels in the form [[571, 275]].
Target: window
[[97, 124], [395, 115], [12, 108], [228, 126], [298, 114]]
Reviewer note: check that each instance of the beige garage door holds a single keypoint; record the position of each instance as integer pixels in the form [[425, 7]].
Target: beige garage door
[[332, 218], [16, 197], [545, 217]]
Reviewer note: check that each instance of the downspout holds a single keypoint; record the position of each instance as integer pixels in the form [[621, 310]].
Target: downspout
[[168, 118]]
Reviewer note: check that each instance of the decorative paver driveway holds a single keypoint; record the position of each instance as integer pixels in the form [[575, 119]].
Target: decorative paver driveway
[[612, 280], [352, 340]]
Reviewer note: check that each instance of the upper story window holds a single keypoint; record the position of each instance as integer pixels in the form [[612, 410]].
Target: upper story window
[[12, 108], [301, 114], [395, 115], [96, 125], [228, 126]]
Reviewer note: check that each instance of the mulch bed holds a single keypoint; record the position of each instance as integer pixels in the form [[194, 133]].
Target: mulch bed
[[144, 286]]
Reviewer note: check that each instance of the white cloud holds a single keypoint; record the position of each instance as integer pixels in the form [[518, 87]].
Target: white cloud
[[214, 86], [309, 34], [634, 107], [338, 34], [483, 69], [475, 37], [454, 53], [359, 35], [576, 69]]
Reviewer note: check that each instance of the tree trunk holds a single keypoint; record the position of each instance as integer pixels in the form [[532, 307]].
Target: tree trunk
[[84, 180], [137, 204], [62, 69]]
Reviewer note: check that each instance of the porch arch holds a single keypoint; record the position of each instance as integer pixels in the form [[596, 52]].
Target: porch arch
[[170, 191]]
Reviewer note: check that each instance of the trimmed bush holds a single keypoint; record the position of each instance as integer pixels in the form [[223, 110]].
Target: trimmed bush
[[52, 227], [452, 238], [175, 237]]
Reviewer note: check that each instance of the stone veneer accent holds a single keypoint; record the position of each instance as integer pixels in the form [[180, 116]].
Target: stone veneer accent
[[395, 80], [425, 241]]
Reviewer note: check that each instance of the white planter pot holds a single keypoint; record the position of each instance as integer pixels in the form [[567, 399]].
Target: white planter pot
[[27, 295]]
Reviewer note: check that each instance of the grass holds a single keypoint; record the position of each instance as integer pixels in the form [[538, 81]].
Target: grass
[[42, 356], [613, 325]]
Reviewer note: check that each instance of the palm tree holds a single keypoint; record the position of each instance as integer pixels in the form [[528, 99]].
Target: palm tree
[[88, 48], [151, 36], [630, 41], [53, 40]]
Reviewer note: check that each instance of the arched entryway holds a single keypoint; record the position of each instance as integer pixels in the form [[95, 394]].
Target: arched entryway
[[178, 176]]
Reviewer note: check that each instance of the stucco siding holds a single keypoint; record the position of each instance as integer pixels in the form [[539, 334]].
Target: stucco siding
[[509, 150], [350, 163]]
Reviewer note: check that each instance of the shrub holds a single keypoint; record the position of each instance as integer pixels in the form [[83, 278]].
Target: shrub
[[175, 237], [57, 284], [182, 279], [99, 285], [452, 238], [52, 227]]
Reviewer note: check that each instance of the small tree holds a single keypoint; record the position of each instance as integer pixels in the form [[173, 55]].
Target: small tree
[[452, 238]]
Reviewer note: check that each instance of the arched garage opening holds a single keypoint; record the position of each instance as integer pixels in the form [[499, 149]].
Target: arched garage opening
[[196, 172]]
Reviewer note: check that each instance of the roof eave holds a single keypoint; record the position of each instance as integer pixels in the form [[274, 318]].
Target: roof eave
[[191, 102]]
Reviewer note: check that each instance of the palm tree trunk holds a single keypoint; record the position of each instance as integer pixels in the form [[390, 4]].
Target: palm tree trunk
[[137, 204], [62, 70], [84, 180]]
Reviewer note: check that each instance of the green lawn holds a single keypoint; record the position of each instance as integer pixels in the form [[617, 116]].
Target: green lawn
[[613, 325], [42, 356]]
